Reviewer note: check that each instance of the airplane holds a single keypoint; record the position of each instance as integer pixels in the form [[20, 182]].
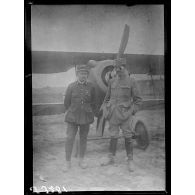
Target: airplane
[[47, 62]]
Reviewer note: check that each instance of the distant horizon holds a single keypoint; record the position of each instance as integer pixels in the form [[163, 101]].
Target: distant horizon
[[62, 80]]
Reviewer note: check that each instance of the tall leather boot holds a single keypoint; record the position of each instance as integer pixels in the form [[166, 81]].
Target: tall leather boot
[[112, 152], [129, 151]]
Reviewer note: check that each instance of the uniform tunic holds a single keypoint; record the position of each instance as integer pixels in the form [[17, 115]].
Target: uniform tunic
[[122, 95], [80, 103]]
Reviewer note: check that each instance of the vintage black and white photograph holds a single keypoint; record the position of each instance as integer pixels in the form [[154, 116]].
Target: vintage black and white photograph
[[98, 97]]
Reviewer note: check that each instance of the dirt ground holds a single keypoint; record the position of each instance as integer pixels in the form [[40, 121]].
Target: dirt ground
[[49, 159]]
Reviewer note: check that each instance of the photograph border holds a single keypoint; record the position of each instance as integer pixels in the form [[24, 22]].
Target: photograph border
[[28, 122]]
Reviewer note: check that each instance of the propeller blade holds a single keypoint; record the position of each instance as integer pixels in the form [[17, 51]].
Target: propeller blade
[[124, 41]]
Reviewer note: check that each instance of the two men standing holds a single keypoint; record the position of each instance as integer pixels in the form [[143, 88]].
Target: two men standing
[[121, 102]]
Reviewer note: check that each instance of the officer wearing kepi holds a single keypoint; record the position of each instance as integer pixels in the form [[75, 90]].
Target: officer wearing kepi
[[80, 107], [121, 102]]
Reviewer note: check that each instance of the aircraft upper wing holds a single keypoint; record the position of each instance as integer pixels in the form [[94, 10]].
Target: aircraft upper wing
[[46, 62]]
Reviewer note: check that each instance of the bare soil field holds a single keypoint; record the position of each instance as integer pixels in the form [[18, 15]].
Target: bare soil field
[[49, 134]]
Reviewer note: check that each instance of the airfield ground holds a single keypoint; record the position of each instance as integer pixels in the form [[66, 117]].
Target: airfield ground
[[49, 158]]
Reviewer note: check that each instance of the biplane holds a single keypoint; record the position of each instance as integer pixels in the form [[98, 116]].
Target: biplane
[[48, 62]]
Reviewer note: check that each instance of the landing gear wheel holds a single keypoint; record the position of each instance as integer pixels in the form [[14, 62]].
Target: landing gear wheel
[[141, 135]]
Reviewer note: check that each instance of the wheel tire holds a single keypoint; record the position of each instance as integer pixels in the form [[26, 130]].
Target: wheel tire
[[142, 137]]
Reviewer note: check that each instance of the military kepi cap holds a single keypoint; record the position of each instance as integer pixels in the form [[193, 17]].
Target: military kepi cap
[[82, 68], [119, 62]]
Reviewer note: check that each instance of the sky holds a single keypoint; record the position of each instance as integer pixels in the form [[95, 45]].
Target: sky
[[94, 28]]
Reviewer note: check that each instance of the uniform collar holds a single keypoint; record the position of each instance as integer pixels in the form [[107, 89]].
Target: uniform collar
[[84, 83]]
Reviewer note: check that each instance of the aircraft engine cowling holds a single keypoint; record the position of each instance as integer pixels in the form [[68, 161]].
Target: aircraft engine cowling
[[100, 73]]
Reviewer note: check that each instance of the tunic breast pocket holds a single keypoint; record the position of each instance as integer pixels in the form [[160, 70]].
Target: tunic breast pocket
[[125, 90], [114, 91], [75, 94]]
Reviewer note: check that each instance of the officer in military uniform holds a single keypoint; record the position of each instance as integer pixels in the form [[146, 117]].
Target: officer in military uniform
[[80, 107], [121, 102]]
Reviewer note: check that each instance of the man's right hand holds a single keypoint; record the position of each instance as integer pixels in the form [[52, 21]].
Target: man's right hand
[[65, 114], [105, 104], [101, 109]]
